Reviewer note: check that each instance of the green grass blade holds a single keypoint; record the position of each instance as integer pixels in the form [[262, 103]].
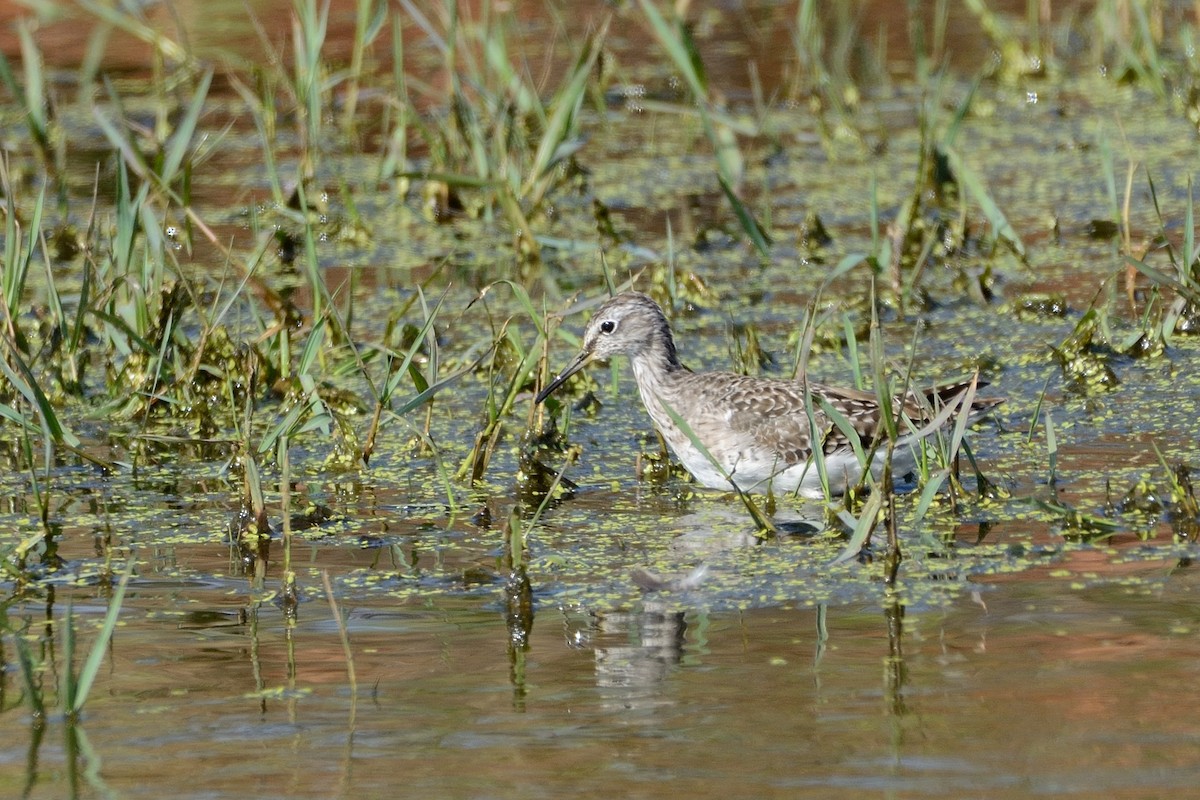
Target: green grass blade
[[843, 424], [7, 79], [399, 373], [417, 400], [26, 384], [1188, 269], [675, 39], [17, 256], [68, 688], [35, 87], [1190, 293], [551, 149], [750, 225], [879, 374], [285, 426], [178, 145], [960, 113], [124, 327], [847, 263], [852, 351], [861, 527], [1162, 225], [684, 57], [968, 178], [935, 482], [964, 416], [312, 347], [720, 118], [1109, 171], [761, 520], [502, 72], [113, 14], [17, 418], [91, 667], [1051, 449], [369, 17], [37, 702], [432, 36], [130, 155]]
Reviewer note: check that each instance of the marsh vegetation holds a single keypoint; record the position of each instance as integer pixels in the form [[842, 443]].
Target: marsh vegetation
[[280, 282]]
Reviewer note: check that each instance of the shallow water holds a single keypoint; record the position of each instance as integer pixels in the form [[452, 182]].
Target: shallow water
[[1031, 687], [1021, 653]]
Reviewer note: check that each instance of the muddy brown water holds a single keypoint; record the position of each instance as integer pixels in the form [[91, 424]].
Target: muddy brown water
[[1019, 656]]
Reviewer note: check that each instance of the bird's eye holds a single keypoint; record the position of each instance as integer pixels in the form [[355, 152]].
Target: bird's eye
[[608, 326]]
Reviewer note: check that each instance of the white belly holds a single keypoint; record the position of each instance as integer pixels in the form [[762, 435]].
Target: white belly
[[758, 475]]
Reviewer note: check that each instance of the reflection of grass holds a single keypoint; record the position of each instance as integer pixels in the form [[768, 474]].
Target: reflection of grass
[[79, 685], [76, 685], [36, 661]]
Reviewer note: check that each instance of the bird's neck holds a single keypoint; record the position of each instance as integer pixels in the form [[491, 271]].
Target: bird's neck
[[657, 358], [655, 368]]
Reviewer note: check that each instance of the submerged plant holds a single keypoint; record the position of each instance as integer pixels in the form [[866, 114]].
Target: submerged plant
[[1085, 365]]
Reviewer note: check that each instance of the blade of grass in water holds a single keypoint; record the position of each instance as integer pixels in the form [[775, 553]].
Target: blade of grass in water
[[843, 424], [395, 157], [1191, 252], [119, 18], [33, 689], [861, 528], [932, 485], [964, 416], [19, 248], [1184, 282], [1192, 294], [751, 226], [309, 28], [262, 110], [8, 79], [974, 184], [554, 142], [815, 433], [677, 41], [34, 96], [761, 520], [23, 381], [180, 140], [1051, 450], [369, 19], [91, 667], [883, 394], [344, 636], [398, 374], [489, 437], [17, 418]]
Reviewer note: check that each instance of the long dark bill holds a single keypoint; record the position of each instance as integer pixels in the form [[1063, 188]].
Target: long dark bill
[[579, 363]]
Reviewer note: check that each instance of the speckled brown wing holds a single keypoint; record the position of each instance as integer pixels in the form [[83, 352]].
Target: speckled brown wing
[[773, 413], [770, 414], [861, 410]]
